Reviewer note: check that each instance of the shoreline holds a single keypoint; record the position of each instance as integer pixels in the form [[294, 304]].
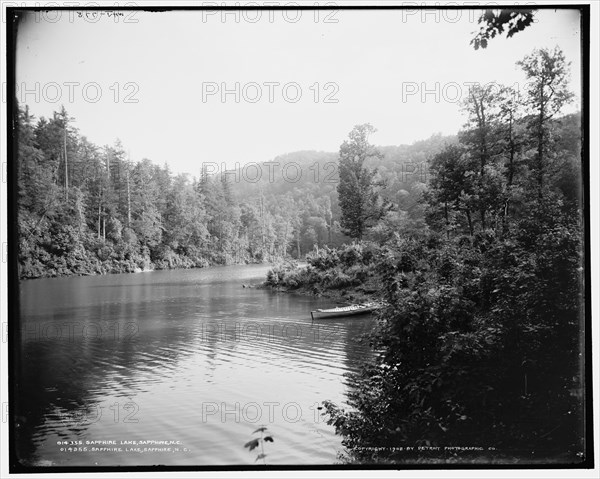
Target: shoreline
[[141, 271]]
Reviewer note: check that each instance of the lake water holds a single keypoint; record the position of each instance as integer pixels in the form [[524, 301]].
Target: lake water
[[188, 356]]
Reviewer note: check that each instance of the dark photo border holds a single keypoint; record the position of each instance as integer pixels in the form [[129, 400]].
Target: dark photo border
[[14, 333]]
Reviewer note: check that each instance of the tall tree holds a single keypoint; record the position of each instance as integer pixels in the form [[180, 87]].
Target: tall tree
[[360, 202], [480, 106], [453, 186], [547, 92], [512, 138]]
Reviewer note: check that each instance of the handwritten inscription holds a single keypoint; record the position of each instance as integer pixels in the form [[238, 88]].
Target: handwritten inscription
[[95, 15]]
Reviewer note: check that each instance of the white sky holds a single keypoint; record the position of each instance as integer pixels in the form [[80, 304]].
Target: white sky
[[370, 55]]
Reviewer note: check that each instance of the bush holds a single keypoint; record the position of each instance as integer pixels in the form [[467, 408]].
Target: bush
[[324, 259], [336, 278], [351, 254], [283, 274]]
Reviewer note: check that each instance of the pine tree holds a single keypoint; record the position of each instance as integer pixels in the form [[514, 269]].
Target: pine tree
[[360, 202]]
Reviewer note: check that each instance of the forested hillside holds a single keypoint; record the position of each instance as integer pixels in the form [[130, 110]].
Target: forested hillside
[[86, 209]]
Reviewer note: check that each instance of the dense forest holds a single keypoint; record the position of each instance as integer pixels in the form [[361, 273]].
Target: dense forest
[[480, 337], [84, 209]]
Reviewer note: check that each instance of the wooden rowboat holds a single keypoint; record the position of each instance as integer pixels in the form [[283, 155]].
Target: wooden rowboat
[[343, 311]]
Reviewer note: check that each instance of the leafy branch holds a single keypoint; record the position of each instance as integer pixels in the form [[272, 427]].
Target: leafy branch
[[494, 23], [265, 436]]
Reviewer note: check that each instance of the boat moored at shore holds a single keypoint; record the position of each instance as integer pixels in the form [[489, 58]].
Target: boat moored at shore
[[343, 311]]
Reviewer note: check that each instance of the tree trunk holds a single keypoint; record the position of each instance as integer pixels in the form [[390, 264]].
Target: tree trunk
[[447, 220], [262, 224], [483, 157], [511, 169], [66, 164], [128, 200], [511, 142], [298, 243], [540, 158], [99, 212], [470, 221]]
